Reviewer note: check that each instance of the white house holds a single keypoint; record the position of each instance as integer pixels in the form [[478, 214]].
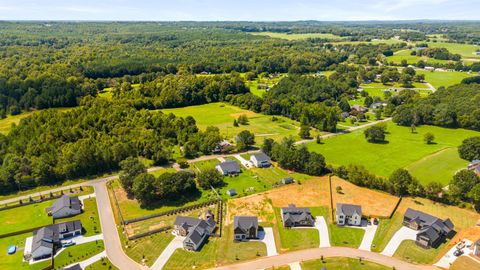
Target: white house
[[260, 160], [349, 214], [65, 207], [46, 239]]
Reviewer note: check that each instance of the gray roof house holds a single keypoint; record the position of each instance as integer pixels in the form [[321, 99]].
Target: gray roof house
[[46, 239], [231, 192], [474, 166], [65, 206], [287, 180], [229, 167], [196, 231], [245, 227], [431, 230], [293, 216], [260, 160], [349, 214]]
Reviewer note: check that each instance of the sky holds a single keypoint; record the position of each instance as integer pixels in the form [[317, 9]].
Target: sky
[[239, 10]]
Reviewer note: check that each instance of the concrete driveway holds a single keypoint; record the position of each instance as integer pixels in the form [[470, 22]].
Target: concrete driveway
[[91, 260], [267, 237], [295, 266], [403, 234], [449, 258], [247, 164], [322, 228], [176, 243]]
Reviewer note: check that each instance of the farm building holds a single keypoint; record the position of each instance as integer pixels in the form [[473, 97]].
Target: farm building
[[260, 160], [229, 167], [287, 180], [245, 227], [431, 230], [65, 207], [293, 216], [47, 238], [349, 214], [231, 192]]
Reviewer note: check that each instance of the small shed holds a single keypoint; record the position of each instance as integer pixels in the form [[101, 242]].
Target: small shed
[[231, 192], [287, 180]]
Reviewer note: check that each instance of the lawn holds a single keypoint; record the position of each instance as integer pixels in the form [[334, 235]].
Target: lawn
[[289, 36], [385, 231], [78, 253], [15, 261], [439, 166], [410, 252], [295, 238], [148, 248], [401, 150], [25, 217], [340, 263], [413, 59], [103, 264], [465, 50], [253, 85], [89, 218], [446, 79], [222, 115]]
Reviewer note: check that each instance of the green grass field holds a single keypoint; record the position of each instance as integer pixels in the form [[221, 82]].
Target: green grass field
[[78, 253], [345, 237], [410, 252], [149, 247], [402, 150], [465, 50], [103, 264], [25, 217], [298, 36], [340, 263], [222, 115], [412, 59], [253, 85], [446, 79]]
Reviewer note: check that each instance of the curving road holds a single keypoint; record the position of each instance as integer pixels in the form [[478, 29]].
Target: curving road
[[316, 253], [113, 245]]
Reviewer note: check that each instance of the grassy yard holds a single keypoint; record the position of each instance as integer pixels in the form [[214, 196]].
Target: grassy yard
[[89, 218], [410, 252], [298, 36], [148, 248], [446, 79], [78, 253], [385, 231], [401, 150], [103, 264], [413, 59], [15, 261], [465, 50], [222, 115], [25, 217], [253, 85], [340, 263]]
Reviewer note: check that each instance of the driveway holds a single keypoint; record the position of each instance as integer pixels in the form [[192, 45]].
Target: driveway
[[176, 243], [449, 258], [367, 240], [267, 237], [295, 266], [247, 164], [403, 234], [88, 196], [322, 228], [82, 239]]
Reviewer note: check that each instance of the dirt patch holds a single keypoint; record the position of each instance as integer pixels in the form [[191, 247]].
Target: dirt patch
[[255, 205], [374, 203]]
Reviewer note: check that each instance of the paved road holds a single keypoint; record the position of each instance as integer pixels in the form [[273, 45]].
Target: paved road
[[316, 253], [113, 245], [350, 129], [82, 184]]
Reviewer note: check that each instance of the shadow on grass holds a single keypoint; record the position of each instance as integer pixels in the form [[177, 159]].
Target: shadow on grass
[[177, 202]]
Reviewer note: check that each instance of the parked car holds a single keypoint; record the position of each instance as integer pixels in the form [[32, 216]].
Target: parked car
[[68, 243], [369, 222], [375, 221], [458, 252]]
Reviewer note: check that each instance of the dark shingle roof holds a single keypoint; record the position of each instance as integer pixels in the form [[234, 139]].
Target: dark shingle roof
[[429, 223], [48, 235], [245, 222], [261, 157], [230, 166], [349, 209], [296, 214], [66, 201]]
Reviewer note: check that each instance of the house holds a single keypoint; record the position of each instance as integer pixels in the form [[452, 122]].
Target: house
[[474, 166], [429, 68], [229, 167], [260, 160], [293, 216], [287, 180], [222, 146], [359, 108], [47, 239], [231, 192], [345, 114], [65, 207], [476, 248], [349, 214], [477, 53], [196, 231], [431, 230], [245, 227], [263, 87], [378, 105]]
